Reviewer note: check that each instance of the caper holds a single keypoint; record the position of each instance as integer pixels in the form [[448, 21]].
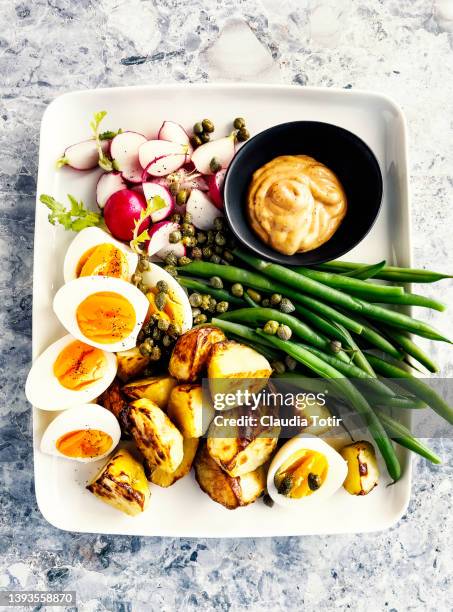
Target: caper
[[136, 278], [201, 318], [243, 134], [218, 250], [215, 259], [335, 346], [205, 137], [146, 347], [195, 312], [155, 354], [188, 229], [171, 270], [215, 165], [284, 332], [207, 125], [157, 334], [222, 306], [285, 485], [143, 287], [160, 300], [162, 286], [237, 290], [189, 241], [182, 197], [175, 237], [278, 367], [174, 188], [205, 301], [196, 141], [201, 237], [184, 260], [239, 123], [216, 282], [163, 324], [196, 253], [287, 306], [167, 341], [291, 363], [141, 336], [265, 303], [198, 128], [256, 297], [174, 330], [187, 218], [211, 236], [176, 218], [207, 252], [143, 264], [220, 239], [228, 256], [271, 328], [212, 305], [267, 500], [219, 223], [171, 259], [195, 300], [314, 481], [275, 299], [148, 328]]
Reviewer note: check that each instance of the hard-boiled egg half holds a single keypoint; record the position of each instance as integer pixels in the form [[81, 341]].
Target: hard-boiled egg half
[[104, 312], [68, 373], [94, 252], [177, 308], [305, 471], [85, 433]]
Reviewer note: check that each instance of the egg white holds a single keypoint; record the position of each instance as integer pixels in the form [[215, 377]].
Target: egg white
[[43, 389], [87, 239], [155, 274], [336, 474], [68, 298], [85, 416]]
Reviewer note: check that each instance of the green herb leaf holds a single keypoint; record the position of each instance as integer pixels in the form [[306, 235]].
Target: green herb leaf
[[153, 204], [156, 203], [76, 218], [108, 134], [104, 161], [62, 161]]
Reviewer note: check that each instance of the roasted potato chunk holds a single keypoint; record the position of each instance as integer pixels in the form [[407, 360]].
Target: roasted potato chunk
[[122, 483], [222, 488], [155, 435], [131, 363], [157, 389], [162, 478], [363, 471], [189, 410], [114, 400], [191, 352], [233, 366]]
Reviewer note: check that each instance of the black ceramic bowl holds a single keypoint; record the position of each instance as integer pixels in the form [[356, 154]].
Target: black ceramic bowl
[[340, 150]]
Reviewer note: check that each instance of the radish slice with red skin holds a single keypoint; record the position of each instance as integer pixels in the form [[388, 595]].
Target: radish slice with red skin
[[173, 132], [152, 150], [159, 240], [221, 149], [84, 155], [124, 150], [202, 210], [121, 211], [152, 190], [107, 185], [166, 164], [215, 188]]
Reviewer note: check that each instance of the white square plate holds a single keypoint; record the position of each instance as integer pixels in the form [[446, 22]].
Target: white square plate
[[183, 510]]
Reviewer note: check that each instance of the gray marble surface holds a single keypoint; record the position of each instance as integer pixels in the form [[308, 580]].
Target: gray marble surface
[[399, 47]]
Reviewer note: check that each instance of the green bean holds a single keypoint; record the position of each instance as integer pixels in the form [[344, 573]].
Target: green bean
[[358, 357], [266, 351], [349, 391], [351, 285], [366, 272], [328, 328], [412, 299], [412, 349], [218, 294], [242, 331], [375, 338], [329, 312], [402, 436], [249, 300], [388, 273], [415, 386]]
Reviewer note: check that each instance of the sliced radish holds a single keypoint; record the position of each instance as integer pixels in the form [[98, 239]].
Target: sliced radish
[[124, 150], [174, 132], [215, 185], [152, 190], [202, 210], [221, 149], [159, 241], [108, 184], [154, 150], [84, 155], [122, 210], [165, 164]]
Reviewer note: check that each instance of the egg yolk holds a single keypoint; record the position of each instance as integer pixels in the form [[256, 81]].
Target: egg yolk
[[103, 260], [106, 317], [172, 309], [301, 474], [79, 365], [84, 443]]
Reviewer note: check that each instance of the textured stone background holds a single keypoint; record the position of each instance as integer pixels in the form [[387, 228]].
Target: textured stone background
[[400, 47]]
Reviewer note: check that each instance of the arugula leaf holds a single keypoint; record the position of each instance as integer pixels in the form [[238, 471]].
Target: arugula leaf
[[108, 134], [104, 162], [76, 218], [152, 205]]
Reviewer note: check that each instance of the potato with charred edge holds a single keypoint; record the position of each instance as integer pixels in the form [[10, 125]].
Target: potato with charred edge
[[189, 410], [363, 471], [113, 399], [191, 352], [122, 483], [162, 478], [157, 389], [222, 488], [131, 363], [155, 435]]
